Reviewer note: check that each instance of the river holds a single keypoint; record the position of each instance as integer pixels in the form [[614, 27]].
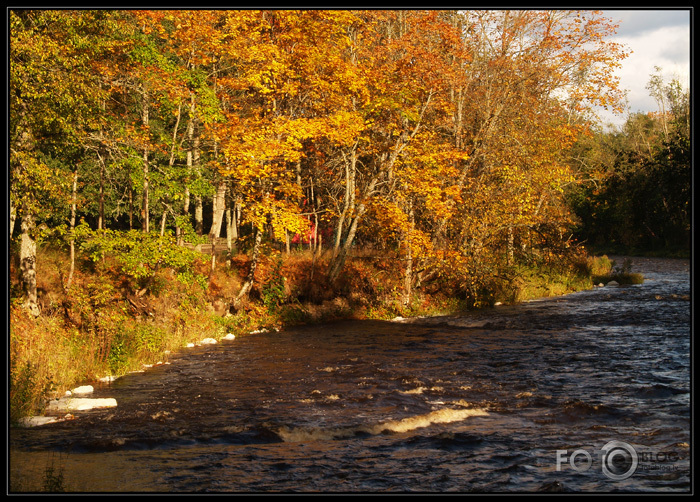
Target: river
[[588, 392]]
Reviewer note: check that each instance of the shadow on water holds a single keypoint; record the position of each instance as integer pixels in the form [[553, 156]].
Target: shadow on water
[[492, 401]]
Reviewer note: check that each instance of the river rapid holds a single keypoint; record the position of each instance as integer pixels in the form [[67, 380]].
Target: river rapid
[[588, 392]]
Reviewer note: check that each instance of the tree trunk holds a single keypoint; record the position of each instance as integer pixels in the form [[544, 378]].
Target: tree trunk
[[408, 272], [13, 217], [163, 219], [198, 204], [511, 246], [217, 220], [101, 203], [73, 211], [338, 261], [349, 201], [232, 218], [245, 289], [144, 208], [193, 156], [27, 256], [171, 162], [219, 207], [131, 207]]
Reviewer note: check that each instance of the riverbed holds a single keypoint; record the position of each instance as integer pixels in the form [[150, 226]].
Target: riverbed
[[588, 392]]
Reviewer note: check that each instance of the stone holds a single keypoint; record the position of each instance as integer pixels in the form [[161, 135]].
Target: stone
[[84, 389], [613, 283], [208, 341], [80, 404], [230, 336], [37, 421]]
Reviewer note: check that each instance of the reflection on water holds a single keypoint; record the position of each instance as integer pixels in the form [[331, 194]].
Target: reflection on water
[[493, 401]]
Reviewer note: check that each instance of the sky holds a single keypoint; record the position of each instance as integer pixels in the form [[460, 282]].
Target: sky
[[656, 38]]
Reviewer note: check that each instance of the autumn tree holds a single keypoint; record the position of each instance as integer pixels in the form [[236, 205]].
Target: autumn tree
[[440, 136], [54, 105]]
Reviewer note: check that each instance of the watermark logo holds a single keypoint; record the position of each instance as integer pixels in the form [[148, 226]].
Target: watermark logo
[[618, 460]]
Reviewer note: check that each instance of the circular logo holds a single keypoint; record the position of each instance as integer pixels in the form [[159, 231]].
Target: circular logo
[[619, 460]]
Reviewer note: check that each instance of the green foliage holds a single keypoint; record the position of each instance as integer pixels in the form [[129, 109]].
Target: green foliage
[[119, 354], [635, 195], [141, 254], [273, 291]]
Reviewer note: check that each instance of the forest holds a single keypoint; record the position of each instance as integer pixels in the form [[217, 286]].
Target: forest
[[175, 172]]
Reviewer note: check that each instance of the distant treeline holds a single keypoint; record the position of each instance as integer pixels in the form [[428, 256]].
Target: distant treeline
[[637, 199]]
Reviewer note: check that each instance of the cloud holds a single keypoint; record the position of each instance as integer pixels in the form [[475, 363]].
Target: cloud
[[638, 22], [657, 39]]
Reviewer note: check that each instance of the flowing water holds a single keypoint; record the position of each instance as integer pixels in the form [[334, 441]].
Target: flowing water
[[513, 399]]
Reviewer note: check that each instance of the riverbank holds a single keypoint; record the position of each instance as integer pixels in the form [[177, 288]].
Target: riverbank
[[103, 329], [572, 370]]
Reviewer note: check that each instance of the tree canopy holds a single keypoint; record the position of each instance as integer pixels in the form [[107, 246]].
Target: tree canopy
[[441, 135]]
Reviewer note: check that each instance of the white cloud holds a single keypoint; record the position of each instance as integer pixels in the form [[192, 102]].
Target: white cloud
[[638, 21], [657, 38]]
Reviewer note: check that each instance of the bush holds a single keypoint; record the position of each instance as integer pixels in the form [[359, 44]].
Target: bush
[[140, 255]]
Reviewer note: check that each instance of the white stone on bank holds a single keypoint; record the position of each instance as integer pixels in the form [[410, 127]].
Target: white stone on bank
[[208, 341], [80, 404], [230, 336], [83, 389], [37, 421]]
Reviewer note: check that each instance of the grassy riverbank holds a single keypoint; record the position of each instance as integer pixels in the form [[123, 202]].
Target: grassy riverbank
[[102, 328]]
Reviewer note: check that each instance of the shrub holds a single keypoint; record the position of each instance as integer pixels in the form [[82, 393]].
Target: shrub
[[140, 255]]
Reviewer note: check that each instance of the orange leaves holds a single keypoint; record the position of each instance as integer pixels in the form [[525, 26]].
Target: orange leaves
[[451, 124]]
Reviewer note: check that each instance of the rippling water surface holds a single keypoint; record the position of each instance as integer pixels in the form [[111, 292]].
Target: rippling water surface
[[494, 401]]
